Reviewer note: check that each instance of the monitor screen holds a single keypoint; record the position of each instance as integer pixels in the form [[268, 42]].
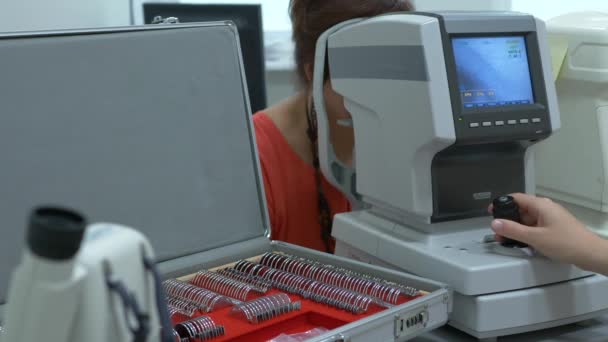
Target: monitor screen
[[248, 20], [493, 71]]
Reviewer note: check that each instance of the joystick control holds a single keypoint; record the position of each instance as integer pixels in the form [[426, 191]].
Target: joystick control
[[506, 208]]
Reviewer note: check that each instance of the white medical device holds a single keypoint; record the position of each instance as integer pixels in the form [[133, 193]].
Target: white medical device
[[446, 109], [108, 290], [573, 164]]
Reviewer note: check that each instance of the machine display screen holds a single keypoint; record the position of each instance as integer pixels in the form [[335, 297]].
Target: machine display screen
[[493, 71]]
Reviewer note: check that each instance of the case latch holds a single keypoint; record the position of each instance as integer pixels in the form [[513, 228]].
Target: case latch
[[336, 338], [410, 322]]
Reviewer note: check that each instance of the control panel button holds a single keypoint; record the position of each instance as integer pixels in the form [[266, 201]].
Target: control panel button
[[524, 121], [512, 122], [474, 124], [499, 123], [487, 124], [536, 120]]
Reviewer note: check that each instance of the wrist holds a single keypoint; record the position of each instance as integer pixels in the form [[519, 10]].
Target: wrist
[[594, 256]]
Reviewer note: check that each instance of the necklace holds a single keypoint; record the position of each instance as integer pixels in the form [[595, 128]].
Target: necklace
[[325, 220]]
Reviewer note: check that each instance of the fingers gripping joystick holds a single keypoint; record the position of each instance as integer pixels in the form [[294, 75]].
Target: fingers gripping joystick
[[505, 207]]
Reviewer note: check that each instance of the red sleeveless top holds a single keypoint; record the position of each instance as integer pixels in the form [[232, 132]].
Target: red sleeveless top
[[291, 190]]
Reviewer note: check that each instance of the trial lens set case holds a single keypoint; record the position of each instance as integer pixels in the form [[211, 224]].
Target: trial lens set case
[[149, 127]]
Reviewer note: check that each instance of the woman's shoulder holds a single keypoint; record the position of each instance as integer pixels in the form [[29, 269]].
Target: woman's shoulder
[[274, 120], [281, 130], [273, 150], [262, 123], [267, 133]]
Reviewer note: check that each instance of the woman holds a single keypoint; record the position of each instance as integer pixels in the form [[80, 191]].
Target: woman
[[301, 203]]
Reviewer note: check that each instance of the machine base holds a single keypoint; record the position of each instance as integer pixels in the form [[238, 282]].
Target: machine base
[[454, 253], [506, 313]]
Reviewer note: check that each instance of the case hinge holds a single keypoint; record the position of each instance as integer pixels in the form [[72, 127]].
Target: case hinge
[[168, 20]]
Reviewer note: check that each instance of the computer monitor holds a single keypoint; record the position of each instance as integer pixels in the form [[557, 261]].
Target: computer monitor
[[248, 20]]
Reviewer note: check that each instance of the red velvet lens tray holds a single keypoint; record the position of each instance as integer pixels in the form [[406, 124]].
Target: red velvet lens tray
[[310, 316]]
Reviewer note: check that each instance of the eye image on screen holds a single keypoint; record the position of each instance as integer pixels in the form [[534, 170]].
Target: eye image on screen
[[493, 71]]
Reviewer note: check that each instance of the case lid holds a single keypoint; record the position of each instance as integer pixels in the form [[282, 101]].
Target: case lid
[[149, 127]]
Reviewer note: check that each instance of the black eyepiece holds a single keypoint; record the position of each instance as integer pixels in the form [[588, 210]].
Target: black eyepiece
[[55, 233]]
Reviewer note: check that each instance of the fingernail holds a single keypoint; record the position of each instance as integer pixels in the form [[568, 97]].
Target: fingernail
[[497, 225]]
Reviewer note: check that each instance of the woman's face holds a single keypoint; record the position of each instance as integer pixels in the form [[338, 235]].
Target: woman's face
[[341, 137]]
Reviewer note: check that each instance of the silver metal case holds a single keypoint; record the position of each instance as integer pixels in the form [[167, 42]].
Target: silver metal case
[[150, 127]]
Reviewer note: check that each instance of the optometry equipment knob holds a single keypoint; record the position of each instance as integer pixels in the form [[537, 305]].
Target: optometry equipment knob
[[506, 208]]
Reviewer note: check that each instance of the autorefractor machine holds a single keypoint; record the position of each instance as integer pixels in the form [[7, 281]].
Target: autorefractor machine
[[446, 110]]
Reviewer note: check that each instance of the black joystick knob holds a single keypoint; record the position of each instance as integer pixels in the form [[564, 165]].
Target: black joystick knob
[[506, 208], [55, 233]]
